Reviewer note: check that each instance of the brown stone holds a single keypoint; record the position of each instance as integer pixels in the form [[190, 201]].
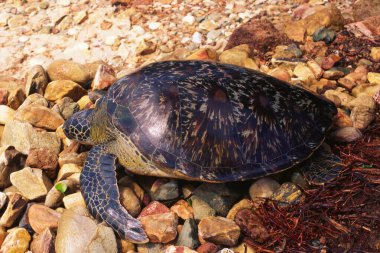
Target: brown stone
[[15, 98], [130, 201], [329, 61], [161, 227], [41, 217], [3, 96], [11, 160], [313, 49], [40, 116], [43, 242], [17, 241], [251, 225], [179, 249], [369, 27], [183, 209], [342, 119], [218, 230], [258, 34], [242, 204], [36, 80], [68, 70], [208, 247], [363, 9], [64, 88], [154, 207], [204, 54], [42, 158], [16, 205], [105, 76]]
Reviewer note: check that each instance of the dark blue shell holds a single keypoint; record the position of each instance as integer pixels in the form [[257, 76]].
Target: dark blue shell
[[218, 122]]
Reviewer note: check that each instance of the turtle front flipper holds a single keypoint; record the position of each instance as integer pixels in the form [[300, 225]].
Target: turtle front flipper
[[100, 192]]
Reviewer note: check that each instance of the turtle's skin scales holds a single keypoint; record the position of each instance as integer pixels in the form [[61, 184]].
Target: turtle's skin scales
[[193, 120]]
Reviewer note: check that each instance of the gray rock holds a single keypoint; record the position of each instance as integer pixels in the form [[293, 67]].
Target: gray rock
[[219, 196], [189, 235], [66, 107], [23, 137], [201, 208]]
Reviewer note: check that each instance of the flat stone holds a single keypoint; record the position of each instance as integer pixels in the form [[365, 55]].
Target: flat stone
[[24, 137], [68, 70], [251, 225], [64, 88], [40, 116], [41, 217], [17, 240], [344, 97], [367, 88], [362, 100], [74, 200], [219, 230], [67, 170], [34, 99], [189, 234], [36, 80], [79, 232], [43, 242], [15, 207], [315, 68], [32, 183], [160, 227], [43, 159]]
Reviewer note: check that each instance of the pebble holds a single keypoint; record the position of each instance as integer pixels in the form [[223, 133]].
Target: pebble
[[219, 230], [375, 53], [362, 116], [333, 74], [68, 70], [362, 100], [263, 188], [43, 242], [346, 134], [11, 160], [160, 227], [154, 207], [201, 208], [188, 19], [207, 247], [196, 38], [4, 96], [6, 114], [3, 199], [32, 183], [343, 96], [17, 240], [74, 200], [41, 217], [34, 99], [373, 78], [251, 225], [183, 209], [130, 201], [303, 72], [66, 107], [342, 119], [220, 197], [189, 234], [150, 248], [40, 116], [79, 232], [329, 61], [104, 77], [36, 80], [368, 89], [67, 170], [324, 34], [287, 194], [154, 25], [281, 74], [58, 89], [242, 204], [15, 207], [164, 189]]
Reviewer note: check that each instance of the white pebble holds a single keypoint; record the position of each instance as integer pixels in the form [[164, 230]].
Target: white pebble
[[72, 31], [64, 2], [197, 38], [188, 19], [154, 25], [185, 40], [110, 40], [23, 38]]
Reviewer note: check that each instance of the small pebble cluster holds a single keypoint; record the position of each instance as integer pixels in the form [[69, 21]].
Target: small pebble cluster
[[42, 207]]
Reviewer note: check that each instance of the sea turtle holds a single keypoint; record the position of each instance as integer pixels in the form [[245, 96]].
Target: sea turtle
[[193, 120]]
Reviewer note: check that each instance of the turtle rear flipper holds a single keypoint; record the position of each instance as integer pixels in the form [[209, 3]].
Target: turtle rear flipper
[[100, 192]]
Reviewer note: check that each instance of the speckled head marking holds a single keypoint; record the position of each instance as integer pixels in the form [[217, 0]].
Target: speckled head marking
[[77, 127]]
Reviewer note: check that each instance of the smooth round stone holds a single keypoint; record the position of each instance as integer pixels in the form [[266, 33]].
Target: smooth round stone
[[197, 38], [263, 188]]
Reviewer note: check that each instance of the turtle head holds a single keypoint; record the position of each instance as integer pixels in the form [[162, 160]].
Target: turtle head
[[77, 127]]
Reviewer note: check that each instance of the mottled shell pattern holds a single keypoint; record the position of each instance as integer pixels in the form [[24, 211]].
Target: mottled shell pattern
[[217, 122]]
